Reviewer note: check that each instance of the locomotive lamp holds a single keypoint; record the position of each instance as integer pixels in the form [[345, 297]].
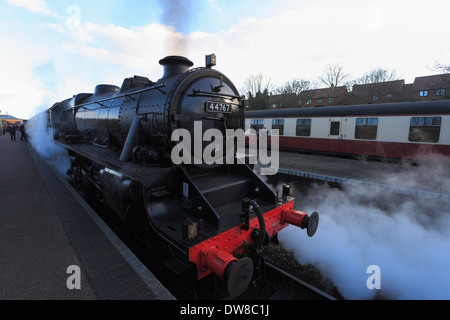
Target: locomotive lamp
[[210, 60], [287, 191]]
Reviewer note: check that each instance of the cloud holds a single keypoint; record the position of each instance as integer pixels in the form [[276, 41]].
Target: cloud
[[279, 46], [137, 49], [297, 40], [37, 6], [21, 89]]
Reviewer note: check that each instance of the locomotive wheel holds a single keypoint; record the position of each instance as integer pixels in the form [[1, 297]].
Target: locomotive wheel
[[239, 276]]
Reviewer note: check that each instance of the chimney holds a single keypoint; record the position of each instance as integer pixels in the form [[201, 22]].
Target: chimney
[[174, 65]]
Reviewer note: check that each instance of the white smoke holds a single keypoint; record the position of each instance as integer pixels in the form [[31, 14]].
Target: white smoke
[[409, 241], [41, 139]]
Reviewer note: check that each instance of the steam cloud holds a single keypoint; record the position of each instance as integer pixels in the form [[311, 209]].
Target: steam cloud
[[41, 139], [409, 240], [176, 13]]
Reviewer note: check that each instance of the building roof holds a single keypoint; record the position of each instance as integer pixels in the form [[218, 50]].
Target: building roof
[[439, 81], [7, 117], [324, 93], [363, 90]]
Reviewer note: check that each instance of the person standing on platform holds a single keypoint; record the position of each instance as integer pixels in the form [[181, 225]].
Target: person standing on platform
[[12, 132], [22, 131]]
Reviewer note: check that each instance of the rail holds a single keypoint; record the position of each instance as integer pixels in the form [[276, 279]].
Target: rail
[[317, 293]]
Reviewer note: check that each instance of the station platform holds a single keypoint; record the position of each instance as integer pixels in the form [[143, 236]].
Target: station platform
[[46, 228], [428, 180]]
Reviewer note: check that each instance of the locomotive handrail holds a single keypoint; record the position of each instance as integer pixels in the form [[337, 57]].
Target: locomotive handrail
[[157, 87], [197, 92], [262, 225]]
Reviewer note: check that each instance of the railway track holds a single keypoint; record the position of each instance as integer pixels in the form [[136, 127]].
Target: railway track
[[285, 279], [278, 284], [378, 187], [304, 290]]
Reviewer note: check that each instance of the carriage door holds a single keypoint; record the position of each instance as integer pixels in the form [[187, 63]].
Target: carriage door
[[337, 134]]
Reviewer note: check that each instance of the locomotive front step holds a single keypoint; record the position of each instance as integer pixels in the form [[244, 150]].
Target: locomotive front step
[[222, 188]]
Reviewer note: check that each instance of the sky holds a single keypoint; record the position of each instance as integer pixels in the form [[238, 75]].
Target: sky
[[53, 49]]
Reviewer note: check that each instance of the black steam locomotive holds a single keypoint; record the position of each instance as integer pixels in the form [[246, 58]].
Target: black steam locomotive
[[206, 222]]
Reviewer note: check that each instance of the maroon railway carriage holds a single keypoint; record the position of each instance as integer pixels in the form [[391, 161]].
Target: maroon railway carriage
[[409, 130]]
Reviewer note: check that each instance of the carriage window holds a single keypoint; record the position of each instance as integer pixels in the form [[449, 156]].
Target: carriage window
[[425, 129], [366, 128], [303, 128], [334, 128], [256, 124], [278, 124]]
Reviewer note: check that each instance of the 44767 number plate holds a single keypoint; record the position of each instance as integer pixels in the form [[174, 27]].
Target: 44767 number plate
[[218, 107]]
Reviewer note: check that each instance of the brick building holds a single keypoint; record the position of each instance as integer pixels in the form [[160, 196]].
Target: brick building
[[436, 87], [282, 101], [382, 92], [431, 88], [310, 98], [323, 97]]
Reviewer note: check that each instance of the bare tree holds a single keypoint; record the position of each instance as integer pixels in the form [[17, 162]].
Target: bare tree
[[295, 86], [288, 95], [257, 89], [444, 68], [334, 75], [257, 84], [377, 75]]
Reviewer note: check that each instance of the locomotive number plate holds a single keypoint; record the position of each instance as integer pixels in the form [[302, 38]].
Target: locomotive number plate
[[218, 107]]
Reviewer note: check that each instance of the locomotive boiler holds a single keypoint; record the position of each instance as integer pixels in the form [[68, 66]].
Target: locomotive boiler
[[206, 222]]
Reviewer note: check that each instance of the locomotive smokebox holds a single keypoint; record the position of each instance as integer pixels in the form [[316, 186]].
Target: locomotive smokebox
[[174, 65]]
